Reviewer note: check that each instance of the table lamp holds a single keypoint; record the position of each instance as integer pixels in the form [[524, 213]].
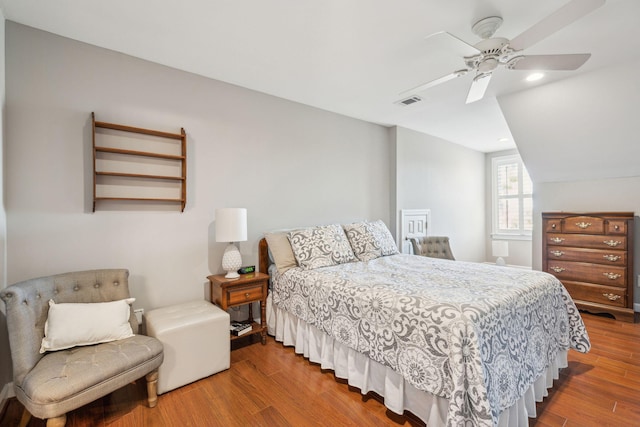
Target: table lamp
[[500, 248], [231, 226]]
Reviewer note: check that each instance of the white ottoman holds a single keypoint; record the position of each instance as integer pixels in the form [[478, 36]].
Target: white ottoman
[[196, 341]]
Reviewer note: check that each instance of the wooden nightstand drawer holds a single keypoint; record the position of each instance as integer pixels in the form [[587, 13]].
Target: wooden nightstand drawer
[[246, 289], [244, 294]]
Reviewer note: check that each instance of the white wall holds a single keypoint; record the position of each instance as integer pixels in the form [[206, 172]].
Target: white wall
[[449, 180], [579, 128], [288, 164]]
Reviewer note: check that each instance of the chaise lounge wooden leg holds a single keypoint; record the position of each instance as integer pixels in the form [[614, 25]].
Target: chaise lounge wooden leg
[[152, 388], [57, 421], [26, 416]]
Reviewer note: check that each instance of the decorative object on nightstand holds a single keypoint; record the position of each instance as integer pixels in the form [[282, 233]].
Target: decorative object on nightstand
[[247, 289], [500, 248], [231, 226]]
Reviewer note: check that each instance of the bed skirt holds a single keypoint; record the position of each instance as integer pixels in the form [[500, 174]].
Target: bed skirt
[[369, 375]]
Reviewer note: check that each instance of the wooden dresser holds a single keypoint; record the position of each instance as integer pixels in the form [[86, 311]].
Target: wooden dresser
[[592, 254]]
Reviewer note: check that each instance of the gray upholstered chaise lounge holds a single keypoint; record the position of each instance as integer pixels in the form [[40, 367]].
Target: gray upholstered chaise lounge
[[51, 384]]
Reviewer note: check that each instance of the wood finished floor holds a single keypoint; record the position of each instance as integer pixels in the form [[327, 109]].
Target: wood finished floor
[[272, 386]]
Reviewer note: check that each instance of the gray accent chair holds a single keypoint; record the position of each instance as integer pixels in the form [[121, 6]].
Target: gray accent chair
[[432, 246], [51, 384]]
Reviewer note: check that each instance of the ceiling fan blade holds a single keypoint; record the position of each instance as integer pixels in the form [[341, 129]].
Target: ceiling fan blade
[[549, 62], [435, 82], [478, 87], [562, 17], [447, 42]]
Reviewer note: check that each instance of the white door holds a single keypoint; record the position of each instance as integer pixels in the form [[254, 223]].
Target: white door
[[413, 223]]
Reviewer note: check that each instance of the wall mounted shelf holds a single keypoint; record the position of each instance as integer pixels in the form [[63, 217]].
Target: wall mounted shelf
[[132, 164]]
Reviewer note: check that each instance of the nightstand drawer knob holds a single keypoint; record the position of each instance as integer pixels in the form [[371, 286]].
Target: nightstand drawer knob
[[612, 276], [247, 295], [557, 253], [557, 239], [558, 269]]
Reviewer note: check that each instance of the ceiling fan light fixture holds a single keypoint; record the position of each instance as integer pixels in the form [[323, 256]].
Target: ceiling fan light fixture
[[534, 77]]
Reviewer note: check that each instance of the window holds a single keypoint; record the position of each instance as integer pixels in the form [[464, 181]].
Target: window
[[512, 197]]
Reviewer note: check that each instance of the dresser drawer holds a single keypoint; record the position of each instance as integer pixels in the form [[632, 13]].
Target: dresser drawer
[[553, 225], [596, 293], [583, 224], [245, 293], [587, 241], [598, 256], [617, 226], [587, 272]]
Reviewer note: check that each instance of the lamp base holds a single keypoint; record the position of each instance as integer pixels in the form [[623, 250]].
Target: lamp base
[[232, 275], [501, 262], [231, 261]]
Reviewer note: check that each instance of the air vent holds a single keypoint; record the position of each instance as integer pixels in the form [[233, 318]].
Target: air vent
[[409, 101]]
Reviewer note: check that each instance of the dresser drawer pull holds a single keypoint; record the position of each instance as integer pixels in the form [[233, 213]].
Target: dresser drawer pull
[[612, 297], [612, 258], [557, 253], [557, 240], [246, 295], [612, 243], [583, 224], [558, 269], [612, 276]]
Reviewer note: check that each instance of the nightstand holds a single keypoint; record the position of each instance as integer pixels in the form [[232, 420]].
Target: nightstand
[[249, 288]]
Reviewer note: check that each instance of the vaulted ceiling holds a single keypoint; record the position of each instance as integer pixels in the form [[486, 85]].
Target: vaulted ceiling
[[353, 57]]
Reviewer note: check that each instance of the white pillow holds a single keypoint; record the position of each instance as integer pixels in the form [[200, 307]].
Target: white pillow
[[74, 324]]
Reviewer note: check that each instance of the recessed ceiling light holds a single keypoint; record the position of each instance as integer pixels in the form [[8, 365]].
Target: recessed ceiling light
[[534, 76]]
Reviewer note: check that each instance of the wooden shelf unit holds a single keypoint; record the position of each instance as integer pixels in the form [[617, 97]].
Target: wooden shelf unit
[[130, 155]]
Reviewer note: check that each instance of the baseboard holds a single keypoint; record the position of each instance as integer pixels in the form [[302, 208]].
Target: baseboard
[[6, 394], [636, 307]]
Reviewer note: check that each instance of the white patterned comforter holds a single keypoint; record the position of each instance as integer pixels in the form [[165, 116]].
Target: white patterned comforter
[[476, 334]]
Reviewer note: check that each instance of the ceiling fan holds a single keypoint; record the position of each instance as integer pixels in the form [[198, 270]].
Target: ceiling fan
[[492, 52]]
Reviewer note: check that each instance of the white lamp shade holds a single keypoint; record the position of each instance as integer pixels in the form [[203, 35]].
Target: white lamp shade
[[500, 248], [231, 225]]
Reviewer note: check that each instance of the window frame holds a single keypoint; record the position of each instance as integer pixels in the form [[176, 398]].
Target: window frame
[[497, 233]]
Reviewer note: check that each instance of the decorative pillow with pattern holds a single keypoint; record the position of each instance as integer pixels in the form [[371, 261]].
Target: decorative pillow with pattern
[[362, 241], [384, 238], [370, 240], [321, 246]]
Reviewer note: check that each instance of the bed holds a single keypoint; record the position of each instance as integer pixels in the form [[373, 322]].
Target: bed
[[454, 343]]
